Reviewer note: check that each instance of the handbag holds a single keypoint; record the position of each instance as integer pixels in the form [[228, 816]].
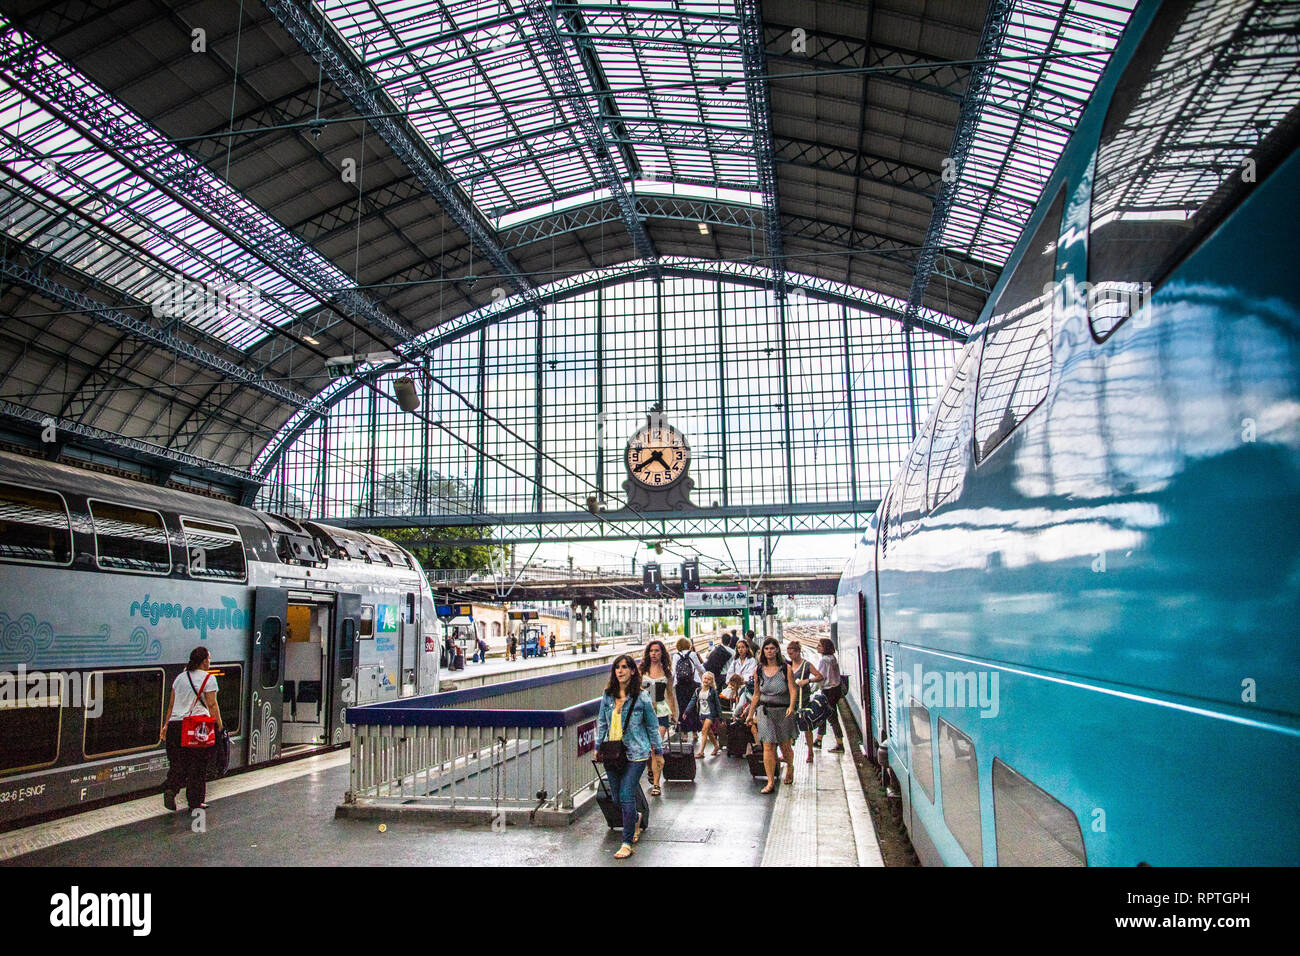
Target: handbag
[[198, 730], [220, 761], [613, 753]]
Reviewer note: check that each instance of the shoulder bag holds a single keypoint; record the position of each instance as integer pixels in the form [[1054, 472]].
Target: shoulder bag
[[198, 730], [613, 753]]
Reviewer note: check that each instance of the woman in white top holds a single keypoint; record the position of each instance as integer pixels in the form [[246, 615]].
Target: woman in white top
[[656, 681], [833, 686], [742, 665], [193, 692]]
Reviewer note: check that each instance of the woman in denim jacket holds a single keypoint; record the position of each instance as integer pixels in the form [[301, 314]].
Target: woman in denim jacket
[[627, 715]]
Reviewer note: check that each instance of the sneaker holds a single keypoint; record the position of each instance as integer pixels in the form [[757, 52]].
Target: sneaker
[[169, 800], [817, 744], [837, 749]]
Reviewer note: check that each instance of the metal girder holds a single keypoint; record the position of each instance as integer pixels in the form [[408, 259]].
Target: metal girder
[[834, 52], [143, 331], [594, 136], [133, 447], [648, 207], [345, 70], [981, 79], [150, 156], [844, 160], [760, 120], [828, 518]]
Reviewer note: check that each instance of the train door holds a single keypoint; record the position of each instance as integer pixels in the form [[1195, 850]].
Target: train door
[[309, 637], [343, 659], [270, 611]]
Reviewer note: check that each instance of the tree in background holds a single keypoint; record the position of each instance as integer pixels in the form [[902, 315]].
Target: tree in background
[[400, 493]]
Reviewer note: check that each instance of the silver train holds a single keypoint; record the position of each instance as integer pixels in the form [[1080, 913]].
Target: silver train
[[106, 584]]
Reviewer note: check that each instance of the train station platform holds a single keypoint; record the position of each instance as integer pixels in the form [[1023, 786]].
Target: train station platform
[[286, 816]]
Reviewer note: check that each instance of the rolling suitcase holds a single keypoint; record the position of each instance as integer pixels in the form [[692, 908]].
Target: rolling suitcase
[[738, 738], [613, 814], [679, 760]]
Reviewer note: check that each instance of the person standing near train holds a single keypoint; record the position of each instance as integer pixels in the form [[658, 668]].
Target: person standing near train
[[194, 693], [833, 687], [627, 737]]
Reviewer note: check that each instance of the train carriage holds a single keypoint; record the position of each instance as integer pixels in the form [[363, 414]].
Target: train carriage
[[106, 584], [1074, 612]]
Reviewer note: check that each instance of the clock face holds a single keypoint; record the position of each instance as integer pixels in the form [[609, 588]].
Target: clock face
[[657, 455]]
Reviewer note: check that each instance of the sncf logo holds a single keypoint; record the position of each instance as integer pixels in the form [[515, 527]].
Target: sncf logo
[[77, 909]]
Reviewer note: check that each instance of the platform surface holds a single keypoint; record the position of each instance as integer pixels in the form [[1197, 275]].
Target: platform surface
[[284, 815]]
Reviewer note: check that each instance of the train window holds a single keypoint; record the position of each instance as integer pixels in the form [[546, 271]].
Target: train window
[[1032, 827], [230, 691], [213, 550], [130, 539], [132, 713], [30, 724], [272, 630], [959, 772], [946, 458], [1017, 359], [911, 506], [922, 762], [1204, 110], [367, 620], [347, 648], [34, 526]]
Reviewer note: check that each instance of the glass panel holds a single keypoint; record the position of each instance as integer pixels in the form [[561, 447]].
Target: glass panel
[[1017, 360], [33, 526], [947, 451], [213, 550], [367, 620], [1033, 827], [272, 629], [130, 539], [959, 774], [132, 717], [1201, 113], [29, 727], [347, 648], [922, 761], [230, 689]]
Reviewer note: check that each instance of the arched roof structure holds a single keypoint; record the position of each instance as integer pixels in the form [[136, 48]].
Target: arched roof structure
[[204, 203]]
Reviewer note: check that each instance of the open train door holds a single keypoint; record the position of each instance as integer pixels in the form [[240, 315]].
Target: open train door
[[270, 609], [343, 661]]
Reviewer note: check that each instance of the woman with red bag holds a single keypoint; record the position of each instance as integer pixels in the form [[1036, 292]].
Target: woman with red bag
[[191, 730]]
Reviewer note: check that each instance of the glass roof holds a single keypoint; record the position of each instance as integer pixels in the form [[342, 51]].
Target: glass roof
[[1031, 109], [488, 101], [68, 199]]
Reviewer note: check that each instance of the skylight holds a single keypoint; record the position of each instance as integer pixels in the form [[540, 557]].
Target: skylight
[[661, 77], [1027, 118]]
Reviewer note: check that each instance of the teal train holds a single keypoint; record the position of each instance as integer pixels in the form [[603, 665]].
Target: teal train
[[1071, 627]]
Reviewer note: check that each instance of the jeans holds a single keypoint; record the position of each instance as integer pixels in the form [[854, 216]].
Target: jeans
[[625, 787]]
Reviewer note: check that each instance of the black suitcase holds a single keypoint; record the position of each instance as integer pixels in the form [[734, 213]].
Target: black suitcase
[[738, 738], [613, 813], [679, 760]]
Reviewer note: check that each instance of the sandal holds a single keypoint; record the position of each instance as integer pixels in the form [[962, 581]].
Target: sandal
[[636, 834], [624, 852], [655, 791], [809, 760], [789, 779], [771, 787], [837, 749]]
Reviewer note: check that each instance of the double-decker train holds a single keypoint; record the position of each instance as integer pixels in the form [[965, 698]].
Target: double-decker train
[[107, 583], [1073, 616]]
